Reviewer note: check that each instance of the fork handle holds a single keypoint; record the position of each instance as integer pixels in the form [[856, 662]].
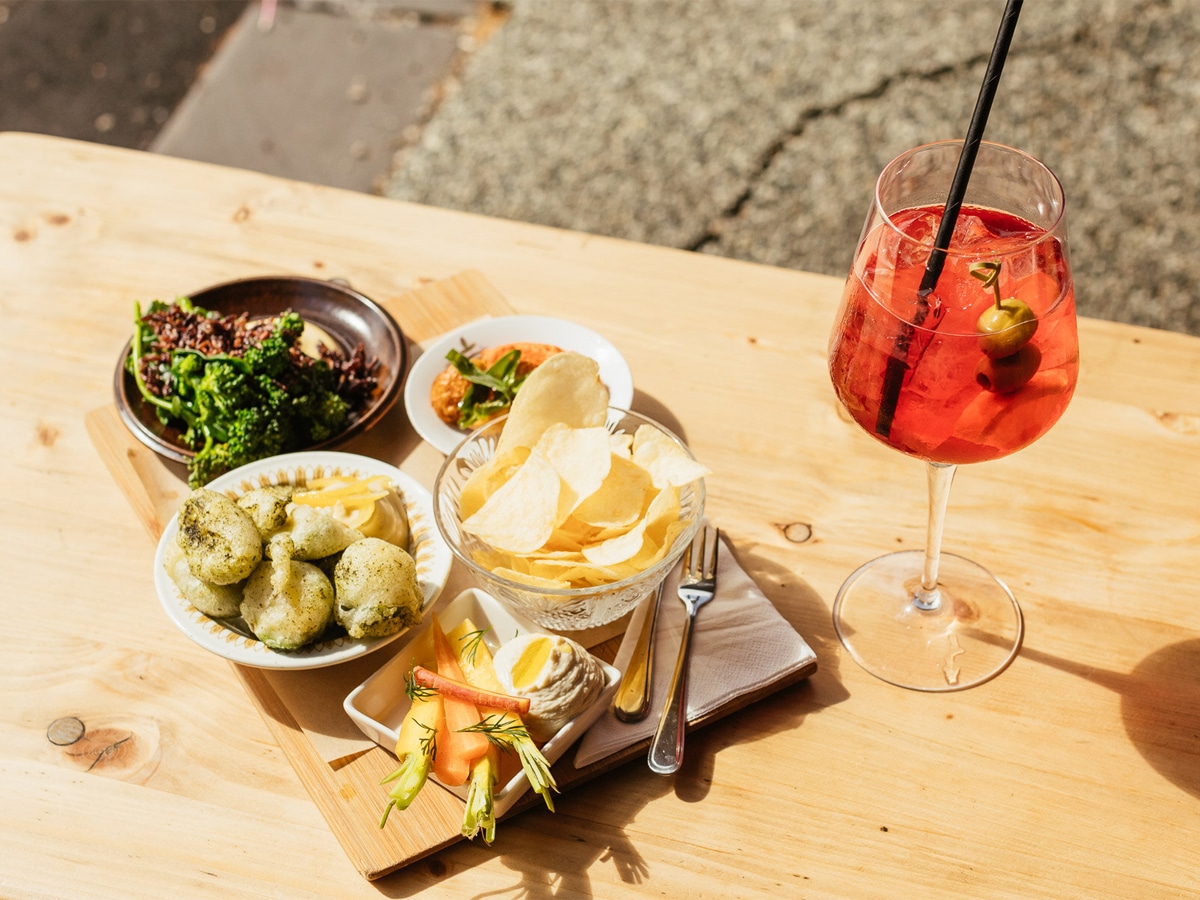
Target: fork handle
[[666, 749]]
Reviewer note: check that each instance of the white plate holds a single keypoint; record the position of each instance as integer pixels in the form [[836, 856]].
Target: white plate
[[378, 705], [429, 551], [614, 371]]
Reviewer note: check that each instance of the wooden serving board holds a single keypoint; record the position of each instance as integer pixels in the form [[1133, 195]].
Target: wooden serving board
[[348, 792]]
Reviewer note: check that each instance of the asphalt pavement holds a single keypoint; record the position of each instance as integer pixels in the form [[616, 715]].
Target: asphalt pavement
[[751, 129], [755, 129], [107, 71]]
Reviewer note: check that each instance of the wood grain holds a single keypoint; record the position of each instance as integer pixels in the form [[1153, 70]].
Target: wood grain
[[1076, 773]]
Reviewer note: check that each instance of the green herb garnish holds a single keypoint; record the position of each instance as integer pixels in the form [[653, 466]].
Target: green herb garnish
[[471, 642], [415, 691], [501, 731], [490, 392]]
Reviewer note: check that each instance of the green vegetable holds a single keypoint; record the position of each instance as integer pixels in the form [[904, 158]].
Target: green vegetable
[[506, 732], [490, 392], [416, 746], [480, 811], [237, 409], [471, 642]]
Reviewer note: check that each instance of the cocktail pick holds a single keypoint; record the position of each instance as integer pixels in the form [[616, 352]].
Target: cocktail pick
[[897, 364]]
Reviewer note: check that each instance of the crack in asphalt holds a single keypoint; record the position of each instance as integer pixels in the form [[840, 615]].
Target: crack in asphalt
[[712, 234]]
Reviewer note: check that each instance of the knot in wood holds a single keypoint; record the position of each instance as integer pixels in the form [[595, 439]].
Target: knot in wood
[[797, 532]]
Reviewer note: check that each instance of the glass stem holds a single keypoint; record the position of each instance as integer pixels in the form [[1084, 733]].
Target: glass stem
[[939, 476]]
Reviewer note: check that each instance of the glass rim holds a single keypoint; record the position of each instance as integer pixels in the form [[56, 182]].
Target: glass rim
[[1050, 231]]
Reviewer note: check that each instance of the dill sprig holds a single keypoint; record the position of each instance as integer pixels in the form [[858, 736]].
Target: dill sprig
[[428, 740], [415, 691], [501, 731], [471, 642]]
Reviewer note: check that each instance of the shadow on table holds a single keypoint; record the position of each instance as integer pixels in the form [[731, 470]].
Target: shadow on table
[[553, 854], [626, 790], [1160, 706]]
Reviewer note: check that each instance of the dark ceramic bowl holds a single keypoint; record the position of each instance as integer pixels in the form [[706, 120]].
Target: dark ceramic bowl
[[345, 316]]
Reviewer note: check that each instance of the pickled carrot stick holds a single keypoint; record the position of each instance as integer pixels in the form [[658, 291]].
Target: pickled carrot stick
[[475, 659], [457, 745], [449, 687], [416, 748]]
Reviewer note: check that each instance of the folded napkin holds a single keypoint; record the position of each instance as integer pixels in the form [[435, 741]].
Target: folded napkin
[[740, 643]]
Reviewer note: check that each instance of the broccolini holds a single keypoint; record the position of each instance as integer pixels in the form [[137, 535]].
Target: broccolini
[[236, 391]]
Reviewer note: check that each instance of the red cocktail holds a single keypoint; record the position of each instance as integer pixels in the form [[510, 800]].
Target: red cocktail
[[951, 399], [966, 369]]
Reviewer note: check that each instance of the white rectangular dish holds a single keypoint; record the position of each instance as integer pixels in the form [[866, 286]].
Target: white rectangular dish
[[379, 704]]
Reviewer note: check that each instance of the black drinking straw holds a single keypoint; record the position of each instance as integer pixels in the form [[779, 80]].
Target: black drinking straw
[[897, 364]]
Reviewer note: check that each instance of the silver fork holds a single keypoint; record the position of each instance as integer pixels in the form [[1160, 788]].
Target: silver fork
[[697, 584]]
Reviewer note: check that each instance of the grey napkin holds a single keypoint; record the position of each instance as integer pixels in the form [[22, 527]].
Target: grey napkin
[[740, 644]]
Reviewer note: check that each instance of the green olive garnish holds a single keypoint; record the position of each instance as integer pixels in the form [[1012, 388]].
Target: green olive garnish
[[1007, 325], [1009, 373]]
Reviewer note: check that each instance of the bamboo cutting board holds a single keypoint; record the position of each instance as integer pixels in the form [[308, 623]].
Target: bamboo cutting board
[[348, 792]]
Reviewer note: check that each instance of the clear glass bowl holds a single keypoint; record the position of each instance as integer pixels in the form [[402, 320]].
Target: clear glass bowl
[[560, 609]]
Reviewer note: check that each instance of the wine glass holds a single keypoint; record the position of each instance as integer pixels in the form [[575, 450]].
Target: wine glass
[[975, 370]]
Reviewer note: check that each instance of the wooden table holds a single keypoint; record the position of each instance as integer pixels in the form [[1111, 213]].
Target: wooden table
[[1075, 773]]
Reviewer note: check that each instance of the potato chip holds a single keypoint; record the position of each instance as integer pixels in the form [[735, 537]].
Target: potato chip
[[657, 544], [582, 459], [563, 542], [575, 573], [565, 388], [488, 478], [492, 559], [617, 549], [533, 580], [564, 503], [650, 530], [622, 444], [666, 461], [520, 516], [652, 553], [664, 509], [542, 553], [620, 499]]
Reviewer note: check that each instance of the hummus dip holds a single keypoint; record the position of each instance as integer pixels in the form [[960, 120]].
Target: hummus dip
[[558, 675]]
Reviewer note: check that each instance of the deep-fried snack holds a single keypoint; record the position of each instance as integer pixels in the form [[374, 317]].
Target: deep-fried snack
[[377, 590], [221, 601], [220, 539], [268, 507], [311, 534], [287, 603]]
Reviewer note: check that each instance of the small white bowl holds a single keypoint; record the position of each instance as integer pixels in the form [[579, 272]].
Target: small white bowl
[[379, 704], [614, 371], [428, 550]]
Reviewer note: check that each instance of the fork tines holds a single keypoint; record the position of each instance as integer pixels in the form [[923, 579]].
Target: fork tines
[[702, 570]]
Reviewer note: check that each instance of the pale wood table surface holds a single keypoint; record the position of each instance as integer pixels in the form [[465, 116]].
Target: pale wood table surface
[[1076, 773]]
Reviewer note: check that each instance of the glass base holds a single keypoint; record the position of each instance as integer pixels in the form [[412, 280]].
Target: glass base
[[971, 636]]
